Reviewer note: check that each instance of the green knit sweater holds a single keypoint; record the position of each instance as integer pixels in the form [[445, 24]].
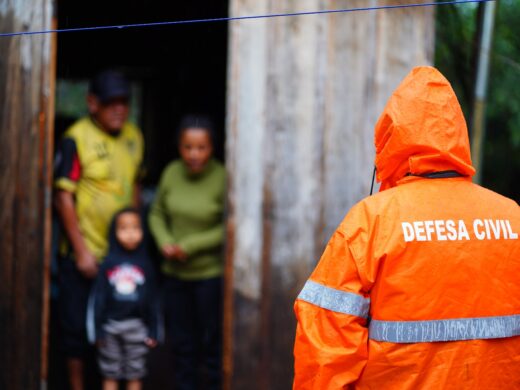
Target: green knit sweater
[[188, 211]]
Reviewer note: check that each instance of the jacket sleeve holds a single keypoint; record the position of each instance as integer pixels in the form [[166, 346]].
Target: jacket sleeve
[[200, 241], [67, 166], [331, 346], [96, 307], [158, 216], [154, 318]]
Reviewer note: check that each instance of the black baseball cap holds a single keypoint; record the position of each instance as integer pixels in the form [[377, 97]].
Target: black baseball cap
[[108, 85]]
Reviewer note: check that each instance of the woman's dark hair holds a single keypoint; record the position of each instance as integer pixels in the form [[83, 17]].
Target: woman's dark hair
[[196, 121]]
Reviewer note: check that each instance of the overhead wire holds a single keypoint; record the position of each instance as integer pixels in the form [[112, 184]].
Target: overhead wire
[[237, 18]]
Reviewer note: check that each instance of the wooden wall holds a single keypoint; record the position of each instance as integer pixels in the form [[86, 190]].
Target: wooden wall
[[26, 106], [303, 96]]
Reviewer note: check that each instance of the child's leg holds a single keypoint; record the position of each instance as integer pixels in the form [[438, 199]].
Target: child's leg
[[134, 384], [110, 356], [110, 384], [134, 352]]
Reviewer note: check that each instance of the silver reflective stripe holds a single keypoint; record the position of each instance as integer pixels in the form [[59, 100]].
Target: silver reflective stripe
[[335, 300], [445, 330]]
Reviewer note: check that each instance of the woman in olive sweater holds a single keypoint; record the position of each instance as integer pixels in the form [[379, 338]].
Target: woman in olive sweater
[[186, 220]]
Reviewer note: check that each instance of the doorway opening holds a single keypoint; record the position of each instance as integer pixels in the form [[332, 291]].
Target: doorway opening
[[174, 70]]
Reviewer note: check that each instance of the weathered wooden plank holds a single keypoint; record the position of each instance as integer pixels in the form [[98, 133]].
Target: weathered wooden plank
[[288, 143], [25, 101], [247, 65], [295, 118], [47, 115]]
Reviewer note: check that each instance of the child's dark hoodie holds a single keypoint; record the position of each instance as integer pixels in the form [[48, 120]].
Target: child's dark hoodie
[[125, 288]]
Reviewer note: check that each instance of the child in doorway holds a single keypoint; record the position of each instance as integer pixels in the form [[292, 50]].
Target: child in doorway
[[123, 316]]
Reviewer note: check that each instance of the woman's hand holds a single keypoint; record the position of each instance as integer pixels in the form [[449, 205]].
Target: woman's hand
[[173, 252]]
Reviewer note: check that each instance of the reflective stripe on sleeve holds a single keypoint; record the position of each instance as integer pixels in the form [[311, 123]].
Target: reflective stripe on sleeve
[[445, 330], [334, 300]]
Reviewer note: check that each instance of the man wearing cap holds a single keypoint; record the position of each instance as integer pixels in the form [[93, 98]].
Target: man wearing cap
[[96, 169]]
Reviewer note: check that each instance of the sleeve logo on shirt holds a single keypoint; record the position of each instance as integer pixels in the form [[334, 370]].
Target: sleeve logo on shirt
[[452, 230], [125, 278]]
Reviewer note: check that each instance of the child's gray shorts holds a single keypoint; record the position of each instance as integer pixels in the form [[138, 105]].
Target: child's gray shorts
[[123, 352]]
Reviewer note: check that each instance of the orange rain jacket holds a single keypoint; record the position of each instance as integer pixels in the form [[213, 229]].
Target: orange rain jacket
[[418, 288]]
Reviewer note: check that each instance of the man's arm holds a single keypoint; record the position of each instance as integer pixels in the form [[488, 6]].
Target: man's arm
[[65, 206], [67, 174], [158, 217]]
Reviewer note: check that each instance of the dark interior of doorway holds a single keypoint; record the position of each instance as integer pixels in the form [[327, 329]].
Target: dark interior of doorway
[[179, 69]]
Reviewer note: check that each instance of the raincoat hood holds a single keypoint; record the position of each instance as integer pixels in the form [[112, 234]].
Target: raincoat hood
[[421, 130]]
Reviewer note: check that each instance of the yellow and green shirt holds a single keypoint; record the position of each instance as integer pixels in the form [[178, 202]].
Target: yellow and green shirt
[[100, 169]]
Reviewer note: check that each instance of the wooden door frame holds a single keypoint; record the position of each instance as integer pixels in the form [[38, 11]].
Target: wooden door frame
[[27, 78]]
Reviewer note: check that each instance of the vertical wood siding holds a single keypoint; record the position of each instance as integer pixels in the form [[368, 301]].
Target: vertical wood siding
[[304, 94], [25, 155]]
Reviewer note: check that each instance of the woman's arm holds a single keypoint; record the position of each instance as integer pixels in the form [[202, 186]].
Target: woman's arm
[[208, 239], [158, 216]]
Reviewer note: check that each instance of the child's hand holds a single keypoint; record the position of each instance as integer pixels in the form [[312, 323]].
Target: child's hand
[[150, 342]]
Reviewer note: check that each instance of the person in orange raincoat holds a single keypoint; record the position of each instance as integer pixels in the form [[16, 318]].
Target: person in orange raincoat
[[419, 287]]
